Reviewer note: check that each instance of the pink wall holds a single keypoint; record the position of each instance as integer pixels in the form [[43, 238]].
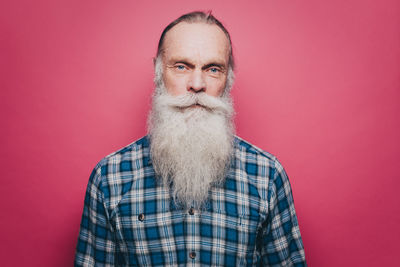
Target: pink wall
[[318, 85]]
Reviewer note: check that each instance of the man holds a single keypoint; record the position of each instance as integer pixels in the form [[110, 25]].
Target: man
[[191, 193]]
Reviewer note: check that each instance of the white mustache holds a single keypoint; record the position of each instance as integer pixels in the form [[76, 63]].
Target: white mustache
[[221, 104]]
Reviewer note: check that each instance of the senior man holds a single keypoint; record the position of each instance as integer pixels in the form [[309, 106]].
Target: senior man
[[190, 193]]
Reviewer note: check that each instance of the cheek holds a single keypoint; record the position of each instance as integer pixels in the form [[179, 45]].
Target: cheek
[[215, 87], [175, 85]]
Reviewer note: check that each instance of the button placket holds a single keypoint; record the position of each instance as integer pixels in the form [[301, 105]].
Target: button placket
[[192, 221]]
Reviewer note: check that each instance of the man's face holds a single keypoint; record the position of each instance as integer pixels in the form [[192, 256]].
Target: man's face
[[195, 59]]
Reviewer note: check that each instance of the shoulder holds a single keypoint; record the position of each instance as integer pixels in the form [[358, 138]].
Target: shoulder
[[114, 175], [125, 158], [260, 167], [253, 155]]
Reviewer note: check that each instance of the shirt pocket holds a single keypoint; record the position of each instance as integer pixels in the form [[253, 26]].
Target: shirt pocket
[[141, 228], [231, 233]]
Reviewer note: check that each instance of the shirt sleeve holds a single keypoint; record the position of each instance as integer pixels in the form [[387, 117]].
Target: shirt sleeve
[[96, 245], [282, 244]]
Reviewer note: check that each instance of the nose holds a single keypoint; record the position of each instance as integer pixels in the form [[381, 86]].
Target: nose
[[196, 82]]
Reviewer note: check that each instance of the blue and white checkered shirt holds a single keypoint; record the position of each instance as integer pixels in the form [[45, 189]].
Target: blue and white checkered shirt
[[129, 218]]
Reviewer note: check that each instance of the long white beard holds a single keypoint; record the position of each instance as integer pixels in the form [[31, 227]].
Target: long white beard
[[191, 147]]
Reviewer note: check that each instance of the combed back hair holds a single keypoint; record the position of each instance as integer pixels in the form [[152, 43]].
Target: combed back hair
[[197, 17]]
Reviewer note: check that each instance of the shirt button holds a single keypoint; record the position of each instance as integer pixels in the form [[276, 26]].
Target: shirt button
[[141, 217], [192, 255], [191, 212]]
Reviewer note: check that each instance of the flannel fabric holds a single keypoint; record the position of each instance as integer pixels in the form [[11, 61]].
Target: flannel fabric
[[129, 218]]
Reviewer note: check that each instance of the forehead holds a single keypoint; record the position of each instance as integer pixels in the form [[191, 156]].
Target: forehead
[[197, 41]]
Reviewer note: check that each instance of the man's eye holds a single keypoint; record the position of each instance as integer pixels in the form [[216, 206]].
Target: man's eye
[[180, 67], [214, 70]]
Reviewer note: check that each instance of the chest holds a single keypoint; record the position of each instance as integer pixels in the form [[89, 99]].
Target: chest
[[153, 231]]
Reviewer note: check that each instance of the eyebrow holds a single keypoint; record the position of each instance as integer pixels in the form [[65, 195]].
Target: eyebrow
[[214, 64]]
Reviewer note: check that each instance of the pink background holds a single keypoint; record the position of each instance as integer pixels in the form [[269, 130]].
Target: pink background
[[318, 85]]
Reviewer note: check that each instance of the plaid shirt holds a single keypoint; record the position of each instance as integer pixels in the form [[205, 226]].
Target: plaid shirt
[[129, 218]]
